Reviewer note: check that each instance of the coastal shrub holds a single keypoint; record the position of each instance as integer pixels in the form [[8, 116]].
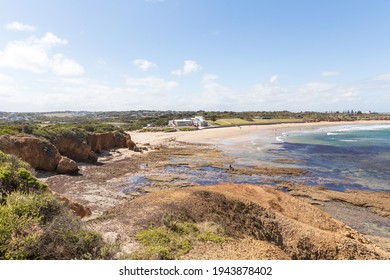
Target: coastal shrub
[[43, 207], [65, 238], [37, 226], [21, 223], [16, 175], [174, 239], [188, 128], [10, 129], [211, 232], [158, 129], [163, 244]]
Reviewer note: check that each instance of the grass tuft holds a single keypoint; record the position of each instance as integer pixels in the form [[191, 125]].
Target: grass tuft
[[175, 238]]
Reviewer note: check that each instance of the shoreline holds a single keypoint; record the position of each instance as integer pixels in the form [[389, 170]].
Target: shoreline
[[216, 135]]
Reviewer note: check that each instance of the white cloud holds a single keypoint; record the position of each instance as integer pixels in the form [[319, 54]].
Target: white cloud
[[156, 93], [33, 54], [65, 67], [48, 41], [5, 79], [209, 77], [274, 79], [190, 66], [144, 64], [383, 77], [330, 73], [88, 94], [316, 87], [9, 93], [213, 96], [151, 83], [101, 62], [18, 26]]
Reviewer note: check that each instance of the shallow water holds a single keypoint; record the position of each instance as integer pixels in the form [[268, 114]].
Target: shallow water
[[337, 157]]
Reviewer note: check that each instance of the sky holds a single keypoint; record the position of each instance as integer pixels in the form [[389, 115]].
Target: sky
[[213, 55]]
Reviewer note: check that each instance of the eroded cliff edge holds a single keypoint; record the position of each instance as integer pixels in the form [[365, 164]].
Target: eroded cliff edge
[[61, 152]]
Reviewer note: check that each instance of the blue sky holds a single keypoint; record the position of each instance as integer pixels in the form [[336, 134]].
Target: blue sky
[[195, 55]]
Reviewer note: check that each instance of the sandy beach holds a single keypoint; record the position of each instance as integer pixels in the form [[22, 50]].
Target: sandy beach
[[216, 136]]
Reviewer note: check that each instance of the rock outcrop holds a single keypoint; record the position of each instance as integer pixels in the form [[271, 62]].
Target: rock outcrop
[[38, 152], [264, 217], [83, 148], [67, 166], [110, 140], [74, 146]]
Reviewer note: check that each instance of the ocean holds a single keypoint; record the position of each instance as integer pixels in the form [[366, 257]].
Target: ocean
[[338, 157]]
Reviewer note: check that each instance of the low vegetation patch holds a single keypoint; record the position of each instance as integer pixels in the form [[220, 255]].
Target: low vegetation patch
[[254, 121], [174, 239], [17, 175], [35, 225], [50, 131]]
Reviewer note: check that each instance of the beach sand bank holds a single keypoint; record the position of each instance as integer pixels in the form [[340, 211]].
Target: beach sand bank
[[217, 135]]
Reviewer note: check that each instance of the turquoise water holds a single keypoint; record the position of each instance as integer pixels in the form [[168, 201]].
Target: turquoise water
[[339, 157]]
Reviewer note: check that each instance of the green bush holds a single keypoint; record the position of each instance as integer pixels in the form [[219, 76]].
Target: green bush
[[174, 238], [22, 218], [162, 244], [16, 176], [43, 207], [37, 226], [65, 238], [10, 129]]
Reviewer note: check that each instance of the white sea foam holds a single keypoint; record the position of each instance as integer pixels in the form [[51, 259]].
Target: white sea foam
[[365, 127]]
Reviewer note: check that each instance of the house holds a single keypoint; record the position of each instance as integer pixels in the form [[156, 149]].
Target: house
[[199, 121], [183, 122]]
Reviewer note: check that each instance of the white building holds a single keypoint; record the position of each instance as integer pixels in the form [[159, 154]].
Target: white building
[[183, 122], [199, 121]]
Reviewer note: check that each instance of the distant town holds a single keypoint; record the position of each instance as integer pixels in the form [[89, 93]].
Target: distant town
[[164, 120]]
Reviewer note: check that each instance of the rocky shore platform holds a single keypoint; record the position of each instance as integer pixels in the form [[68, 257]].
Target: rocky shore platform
[[261, 216]]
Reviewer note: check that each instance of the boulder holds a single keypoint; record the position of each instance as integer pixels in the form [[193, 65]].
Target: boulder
[[38, 152], [120, 139], [130, 144], [79, 210], [67, 166], [75, 207]]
